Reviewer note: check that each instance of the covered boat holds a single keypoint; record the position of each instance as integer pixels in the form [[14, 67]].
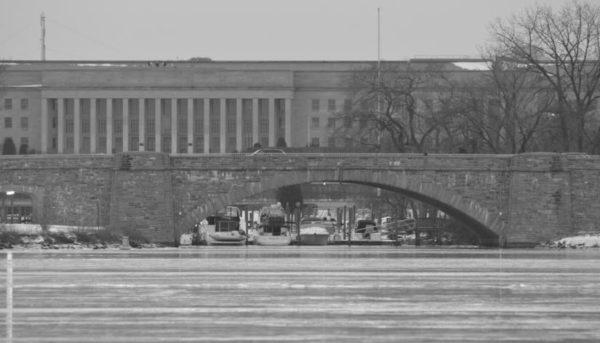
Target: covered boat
[[224, 228], [271, 229]]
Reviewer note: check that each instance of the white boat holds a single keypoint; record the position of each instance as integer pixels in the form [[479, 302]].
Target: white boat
[[315, 231], [272, 240], [271, 229], [224, 228]]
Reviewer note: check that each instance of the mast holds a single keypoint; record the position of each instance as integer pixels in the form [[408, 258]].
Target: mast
[[43, 39]]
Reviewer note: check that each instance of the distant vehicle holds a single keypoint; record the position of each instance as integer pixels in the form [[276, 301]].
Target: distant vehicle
[[267, 151]]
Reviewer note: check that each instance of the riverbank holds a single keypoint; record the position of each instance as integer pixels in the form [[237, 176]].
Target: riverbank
[[584, 240], [50, 240], [103, 239]]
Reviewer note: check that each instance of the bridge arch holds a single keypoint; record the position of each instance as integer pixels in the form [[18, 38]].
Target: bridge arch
[[486, 225]]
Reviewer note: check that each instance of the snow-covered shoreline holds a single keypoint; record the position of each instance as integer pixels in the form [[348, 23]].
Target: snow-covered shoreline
[[590, 240]]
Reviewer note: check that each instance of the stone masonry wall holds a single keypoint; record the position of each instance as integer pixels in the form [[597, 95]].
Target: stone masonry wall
[[524, 198]]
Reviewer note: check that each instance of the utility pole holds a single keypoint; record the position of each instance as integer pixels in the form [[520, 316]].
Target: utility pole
[[378, 40], [378, 73], [43, 39]]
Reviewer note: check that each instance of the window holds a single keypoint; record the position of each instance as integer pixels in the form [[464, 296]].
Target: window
[[331, 105], [24, 141], [314, 142], [314, 122], [118, 126], [149, 143], [331, 123], [24, 123], [8, 104], [24, 104], [134, 125], [134, 143], [53, 105], [8, 122], [69, 126], [85, 126], [347, 105], [315, 105]]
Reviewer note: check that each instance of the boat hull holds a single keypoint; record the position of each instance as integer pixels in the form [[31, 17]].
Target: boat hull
[[314, 239], [228, 238], [272, 240]]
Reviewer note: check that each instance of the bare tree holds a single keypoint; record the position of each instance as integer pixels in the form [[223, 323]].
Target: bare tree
[[564, 48], [499, 109], [386, 109]]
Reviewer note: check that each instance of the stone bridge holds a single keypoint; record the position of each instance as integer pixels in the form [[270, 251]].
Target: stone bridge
[[510, 200]]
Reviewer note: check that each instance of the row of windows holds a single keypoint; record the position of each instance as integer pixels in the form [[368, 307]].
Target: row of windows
[[8, 104], [331, 105], [8, 123], [331, 122]]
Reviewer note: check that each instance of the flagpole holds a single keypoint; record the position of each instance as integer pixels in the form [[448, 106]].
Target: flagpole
[[378, 39], [378, 72]]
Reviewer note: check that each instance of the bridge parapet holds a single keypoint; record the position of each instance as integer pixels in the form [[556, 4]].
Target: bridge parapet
[[523, 198]]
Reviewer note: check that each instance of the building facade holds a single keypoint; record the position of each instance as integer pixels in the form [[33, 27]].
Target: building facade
[[76, 107]]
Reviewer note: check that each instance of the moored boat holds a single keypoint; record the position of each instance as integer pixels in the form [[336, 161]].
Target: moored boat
[[272, 240], [315, 231], [224, 228], [271, 229]]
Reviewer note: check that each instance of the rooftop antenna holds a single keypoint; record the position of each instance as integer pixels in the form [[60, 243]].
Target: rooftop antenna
[[378, 72], [43, 39], [378, 40]]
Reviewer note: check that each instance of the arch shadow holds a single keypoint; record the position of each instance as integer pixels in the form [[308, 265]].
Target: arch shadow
[[487, 226]]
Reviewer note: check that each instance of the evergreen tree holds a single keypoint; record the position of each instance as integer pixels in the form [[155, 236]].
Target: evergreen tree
[[8, 147], [23, 149]]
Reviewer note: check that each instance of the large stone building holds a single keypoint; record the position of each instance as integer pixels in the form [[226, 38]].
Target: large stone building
[[80, 107]]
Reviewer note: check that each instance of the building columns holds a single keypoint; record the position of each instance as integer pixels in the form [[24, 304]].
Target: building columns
[[142, 124], [157, 126], [255, 137], [272, 123], [206, 125], [93, 126], [190, 125], [125, 125], [174, 128], [61, 126], [238, 124], [109, 125], [288, 121], [76, 126], [44, 145], [223, 125]]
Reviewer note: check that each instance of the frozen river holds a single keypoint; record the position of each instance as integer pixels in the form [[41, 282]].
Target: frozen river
[[289, 294]]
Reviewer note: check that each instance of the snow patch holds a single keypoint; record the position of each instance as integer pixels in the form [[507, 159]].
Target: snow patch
[[24, 86], [579, 241], [473, 65], [100, 65]]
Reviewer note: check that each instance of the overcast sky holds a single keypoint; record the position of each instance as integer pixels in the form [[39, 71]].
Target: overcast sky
[[249, 29]]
